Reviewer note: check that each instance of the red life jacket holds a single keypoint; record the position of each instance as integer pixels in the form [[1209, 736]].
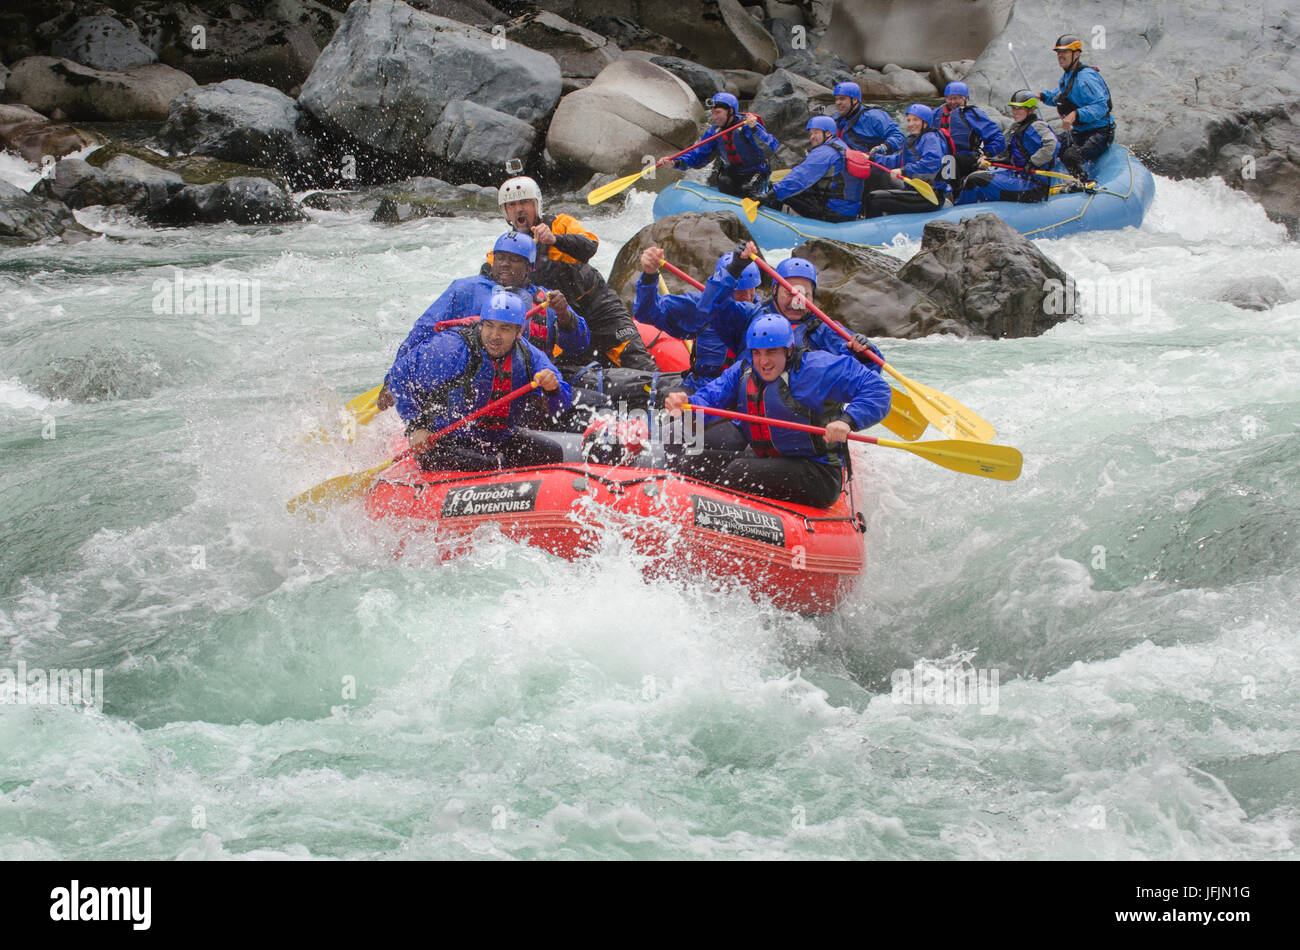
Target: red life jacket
[[502, 385], [944, 118], [760, 435]]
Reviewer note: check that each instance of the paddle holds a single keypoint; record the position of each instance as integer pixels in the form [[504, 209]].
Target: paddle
[[366, 406], [904, 419], [1036, 171], [922, 187], [970, 458], [343, 488], [942, 411], [597, 195]]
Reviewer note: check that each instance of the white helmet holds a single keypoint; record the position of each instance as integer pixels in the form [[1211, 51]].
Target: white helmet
[[520, 189]]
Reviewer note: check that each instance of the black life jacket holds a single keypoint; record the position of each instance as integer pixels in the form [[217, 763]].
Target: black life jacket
[[832, 184]]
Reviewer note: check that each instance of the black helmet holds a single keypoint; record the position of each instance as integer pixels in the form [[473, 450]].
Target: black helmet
[[1024, 99], [1068, 41]]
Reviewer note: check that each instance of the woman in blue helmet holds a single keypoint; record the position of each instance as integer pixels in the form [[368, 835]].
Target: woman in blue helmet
[[924, 155], [1031, 145], [743, 166], [968, 131], [453, 373], [779, 380], [680, 315], [820, 186]]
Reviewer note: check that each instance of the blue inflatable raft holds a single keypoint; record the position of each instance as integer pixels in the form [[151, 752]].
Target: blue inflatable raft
[[1125, 191]]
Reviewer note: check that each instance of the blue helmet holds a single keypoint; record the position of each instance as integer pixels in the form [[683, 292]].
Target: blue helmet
[[505, 307], [798, 267], [957, 88], [513, 242], [769, 333], [724, 99], [921, 111], [749, 277], [850, 89], [823, 122]]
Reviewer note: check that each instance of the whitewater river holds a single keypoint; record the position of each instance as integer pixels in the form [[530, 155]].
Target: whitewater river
[[277, 687]]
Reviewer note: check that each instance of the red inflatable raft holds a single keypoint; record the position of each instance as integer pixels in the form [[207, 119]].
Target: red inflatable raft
[[800, 558]]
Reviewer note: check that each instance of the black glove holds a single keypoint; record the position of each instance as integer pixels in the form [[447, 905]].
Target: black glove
[[862, 339], [738, 262]]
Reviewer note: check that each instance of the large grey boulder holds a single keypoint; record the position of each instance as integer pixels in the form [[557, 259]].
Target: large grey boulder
[[632, 109], [580, 52], [990, 276], [693, 241], [259, 50], [918, 35], [240, 121], [124, 180], [861, 288], [785, 100], [27, 219], [1199, 88], [469, 133], [391, 72], [101, 42], [144, 92], [241, 200]]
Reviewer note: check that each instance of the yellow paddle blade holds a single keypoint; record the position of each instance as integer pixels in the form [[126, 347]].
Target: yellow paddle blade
[[337, 490], [751, 208], [943, 412], [597, 195], [663, 286], [923, 189], [358, 404], [1039, 171], [904, 419], [778, 175], [970, 458]]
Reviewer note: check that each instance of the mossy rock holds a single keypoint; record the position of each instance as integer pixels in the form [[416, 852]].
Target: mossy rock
[[194, 169]]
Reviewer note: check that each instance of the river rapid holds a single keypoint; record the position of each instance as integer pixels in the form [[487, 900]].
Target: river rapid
[[273, 686]]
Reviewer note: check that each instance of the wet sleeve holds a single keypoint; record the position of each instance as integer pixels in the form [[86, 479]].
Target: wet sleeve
[[1092, 103], [989, 132], [866, 395], [805, 174], [1042, 156], [572, 239]]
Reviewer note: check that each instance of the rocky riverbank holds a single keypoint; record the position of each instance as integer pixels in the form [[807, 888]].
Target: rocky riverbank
[[293, 95]]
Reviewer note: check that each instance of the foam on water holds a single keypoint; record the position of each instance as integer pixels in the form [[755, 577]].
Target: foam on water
[[280, 688]]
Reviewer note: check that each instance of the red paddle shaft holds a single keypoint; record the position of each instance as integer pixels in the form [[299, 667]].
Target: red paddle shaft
[[674, 269], [765, 421], [668, 158], [448, 430]]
